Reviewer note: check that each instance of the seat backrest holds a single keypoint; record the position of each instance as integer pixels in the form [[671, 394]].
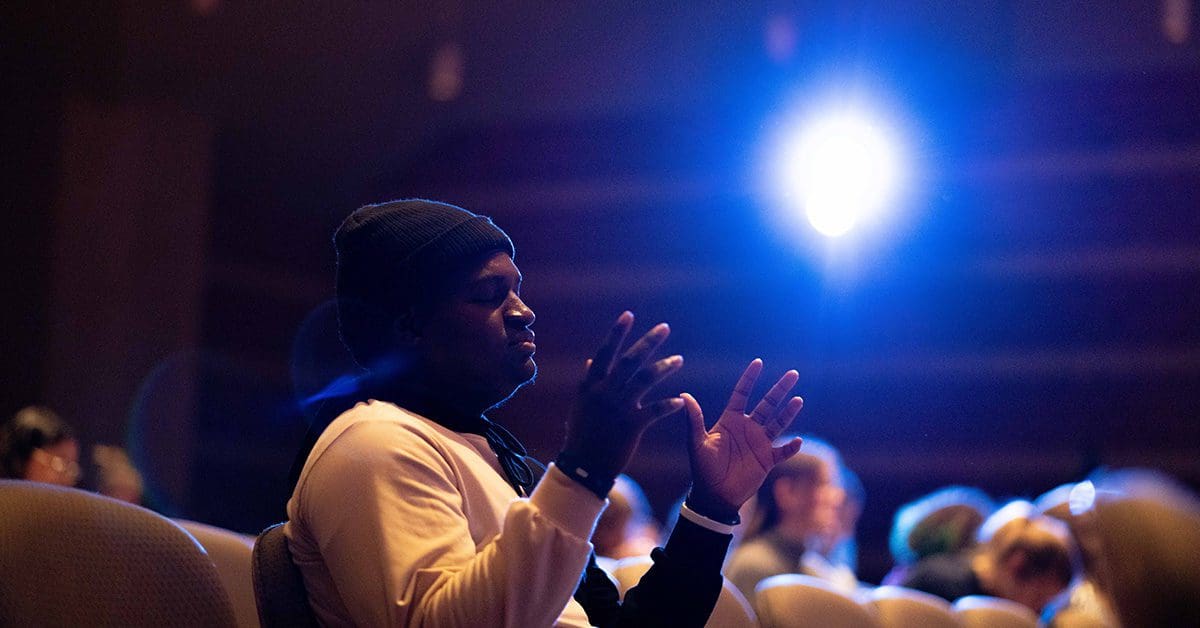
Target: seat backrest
[[981, 611], [902, 607], [629, 571], [74, 558], [230, 552], [799, 601], [278, 585], [732, 609]]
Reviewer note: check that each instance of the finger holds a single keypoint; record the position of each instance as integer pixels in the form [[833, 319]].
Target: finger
[[784, 417], [770, 403], [635, 357], [657, 410], [785, 451], [602, 363], [695, 422], [647, 377], [743, 387]]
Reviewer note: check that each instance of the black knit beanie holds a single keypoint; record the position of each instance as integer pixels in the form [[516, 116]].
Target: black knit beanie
[[388, 257]]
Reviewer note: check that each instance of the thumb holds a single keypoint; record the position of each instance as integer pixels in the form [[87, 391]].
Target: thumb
[[695, 421], [657, 410], [785, 451]]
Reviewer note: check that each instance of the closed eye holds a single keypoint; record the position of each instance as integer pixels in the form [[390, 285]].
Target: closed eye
[[491, 290]]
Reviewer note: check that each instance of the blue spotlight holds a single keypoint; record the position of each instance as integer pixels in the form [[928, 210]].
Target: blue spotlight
[[841, 169]]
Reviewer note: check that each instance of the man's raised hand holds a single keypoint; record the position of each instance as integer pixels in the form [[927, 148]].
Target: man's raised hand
[[609, 417], [730, 461]]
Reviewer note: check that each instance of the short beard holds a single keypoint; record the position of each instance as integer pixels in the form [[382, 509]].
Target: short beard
[[532, 380]]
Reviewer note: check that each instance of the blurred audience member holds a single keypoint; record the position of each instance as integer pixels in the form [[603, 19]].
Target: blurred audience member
[[796, 506], [627, 527], [944, 522], [116, 476], [1054, 502], [1139, 537], [1014, 509], [1082, 605], [37, 445], [1023, 557], [841, 550]]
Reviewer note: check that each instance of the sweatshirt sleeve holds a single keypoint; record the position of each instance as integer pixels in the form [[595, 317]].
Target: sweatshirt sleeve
[[682, 587], [394, 530]]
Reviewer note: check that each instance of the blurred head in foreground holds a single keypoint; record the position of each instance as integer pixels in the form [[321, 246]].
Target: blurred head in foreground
[[1139, 537]]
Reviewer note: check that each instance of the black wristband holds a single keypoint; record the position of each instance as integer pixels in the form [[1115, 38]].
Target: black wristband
[[598, 483], [707, 510]]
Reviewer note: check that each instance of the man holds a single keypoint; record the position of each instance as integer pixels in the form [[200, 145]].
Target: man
[[413, 509]]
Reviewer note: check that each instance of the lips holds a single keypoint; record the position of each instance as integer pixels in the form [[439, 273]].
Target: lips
[[523, 342]]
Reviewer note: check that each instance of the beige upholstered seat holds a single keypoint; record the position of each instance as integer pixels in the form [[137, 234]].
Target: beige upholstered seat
[[981, 611], [732, 609], [73, 558], [899, 607], [230, 553], [278, 585], [799, 601], [629, 571]]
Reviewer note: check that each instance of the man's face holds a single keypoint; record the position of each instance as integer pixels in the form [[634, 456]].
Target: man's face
[[475, 342]]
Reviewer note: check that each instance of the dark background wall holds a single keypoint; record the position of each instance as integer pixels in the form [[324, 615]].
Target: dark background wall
[[173, 174]]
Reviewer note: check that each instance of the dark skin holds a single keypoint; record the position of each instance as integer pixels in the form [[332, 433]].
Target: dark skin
[[474, 348]]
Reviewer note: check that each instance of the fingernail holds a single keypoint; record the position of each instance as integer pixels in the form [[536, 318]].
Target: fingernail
[[675, 360], [676, 403], [661, 329]]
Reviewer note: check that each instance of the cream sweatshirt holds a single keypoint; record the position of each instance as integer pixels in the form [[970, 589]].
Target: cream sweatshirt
[[398, 521]]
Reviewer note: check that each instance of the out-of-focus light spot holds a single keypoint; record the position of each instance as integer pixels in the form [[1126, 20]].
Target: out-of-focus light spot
[[1177, 20], [1082, 498], [840, 170], [205, 7], [446, 70], [780, 38]]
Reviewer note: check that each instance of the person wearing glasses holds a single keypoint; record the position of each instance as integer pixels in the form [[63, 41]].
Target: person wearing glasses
[[37, 445]]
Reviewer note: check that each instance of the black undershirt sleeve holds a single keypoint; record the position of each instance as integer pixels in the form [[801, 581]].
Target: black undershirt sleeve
[[680, 589]]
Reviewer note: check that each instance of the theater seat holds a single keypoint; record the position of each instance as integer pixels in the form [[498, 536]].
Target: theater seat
[[74, 558], [230, 553], [981, 611], [799, 601], [899, 607], [278, 585]]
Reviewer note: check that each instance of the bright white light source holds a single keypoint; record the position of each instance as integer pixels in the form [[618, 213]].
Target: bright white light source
[[842, 170]]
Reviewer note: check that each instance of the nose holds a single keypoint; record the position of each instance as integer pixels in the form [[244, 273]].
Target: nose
[[518, 314]]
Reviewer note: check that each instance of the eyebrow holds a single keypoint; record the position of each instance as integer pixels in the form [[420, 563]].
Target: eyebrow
[[497, 278]]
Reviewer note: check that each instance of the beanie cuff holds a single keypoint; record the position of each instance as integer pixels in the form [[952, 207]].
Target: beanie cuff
[[459, 244]]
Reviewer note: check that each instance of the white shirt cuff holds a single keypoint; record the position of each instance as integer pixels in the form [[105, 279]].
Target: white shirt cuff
[[704, 522]]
